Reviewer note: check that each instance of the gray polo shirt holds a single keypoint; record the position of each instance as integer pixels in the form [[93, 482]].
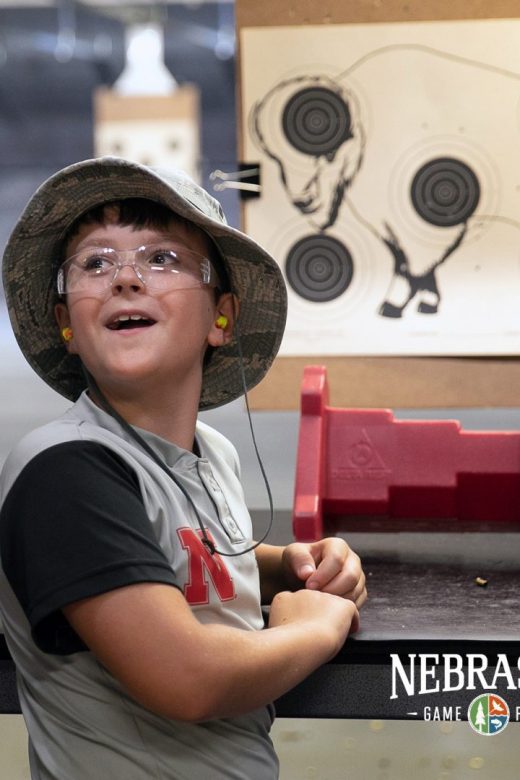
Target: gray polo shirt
[[84, 510]]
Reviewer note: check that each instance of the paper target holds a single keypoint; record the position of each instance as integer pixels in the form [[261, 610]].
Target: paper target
[[404, 148], [316, 121], [445, 191], [319, 268]]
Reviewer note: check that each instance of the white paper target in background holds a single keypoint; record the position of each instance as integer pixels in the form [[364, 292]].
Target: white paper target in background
[[172, 143], [414, 144], [160, 130]]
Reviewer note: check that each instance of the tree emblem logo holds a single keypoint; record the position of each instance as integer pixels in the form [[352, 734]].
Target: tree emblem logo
[[488, 714]]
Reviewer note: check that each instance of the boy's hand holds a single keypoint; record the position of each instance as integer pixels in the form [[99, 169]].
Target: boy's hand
[[328, 565], [329, 618]]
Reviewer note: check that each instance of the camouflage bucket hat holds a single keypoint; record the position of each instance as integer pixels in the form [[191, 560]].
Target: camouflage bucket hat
[[34, 252]]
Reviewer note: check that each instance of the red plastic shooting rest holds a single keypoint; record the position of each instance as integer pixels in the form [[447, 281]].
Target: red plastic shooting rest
[[361, 469]]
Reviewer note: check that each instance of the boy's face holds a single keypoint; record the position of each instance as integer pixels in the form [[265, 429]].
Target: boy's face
[[164, 354]]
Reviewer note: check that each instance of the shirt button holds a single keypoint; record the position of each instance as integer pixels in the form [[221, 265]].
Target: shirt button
[[231, 523]]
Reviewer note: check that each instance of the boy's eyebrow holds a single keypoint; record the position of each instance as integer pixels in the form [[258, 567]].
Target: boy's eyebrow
[[95, 243]]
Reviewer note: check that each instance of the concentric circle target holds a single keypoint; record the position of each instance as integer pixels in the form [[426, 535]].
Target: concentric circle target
[[445, 191], [319, 268], [316, 121]]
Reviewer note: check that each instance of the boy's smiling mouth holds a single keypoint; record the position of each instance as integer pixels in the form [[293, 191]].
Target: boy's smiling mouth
[[129, 322]]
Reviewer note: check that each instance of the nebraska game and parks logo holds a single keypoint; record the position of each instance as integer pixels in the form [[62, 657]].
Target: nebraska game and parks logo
[[437, 674], [488, 714]]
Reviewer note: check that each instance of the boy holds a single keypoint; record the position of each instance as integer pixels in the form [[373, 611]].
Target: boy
[[130, 587]]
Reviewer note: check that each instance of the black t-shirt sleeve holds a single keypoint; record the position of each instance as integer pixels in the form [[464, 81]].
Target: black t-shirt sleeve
[[72, 526]]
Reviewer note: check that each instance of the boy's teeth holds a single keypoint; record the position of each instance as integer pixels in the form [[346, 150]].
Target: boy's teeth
[[125, 319]]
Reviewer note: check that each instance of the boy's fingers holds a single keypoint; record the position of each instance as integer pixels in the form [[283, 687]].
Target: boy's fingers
[[342, 575], [354, 626], [300, 561], [336, 560]]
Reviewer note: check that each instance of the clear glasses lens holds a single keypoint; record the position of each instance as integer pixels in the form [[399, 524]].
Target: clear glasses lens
[[158, 266]]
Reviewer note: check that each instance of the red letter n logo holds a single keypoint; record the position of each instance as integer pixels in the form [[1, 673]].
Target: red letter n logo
[[201, 561]]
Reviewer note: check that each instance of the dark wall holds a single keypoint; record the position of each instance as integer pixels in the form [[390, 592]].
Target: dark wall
[[51, 59]]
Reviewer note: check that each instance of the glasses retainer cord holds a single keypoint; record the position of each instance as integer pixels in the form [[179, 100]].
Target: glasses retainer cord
[[107, 407]]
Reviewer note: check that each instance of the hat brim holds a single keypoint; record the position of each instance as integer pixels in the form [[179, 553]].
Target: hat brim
[[33, 253]]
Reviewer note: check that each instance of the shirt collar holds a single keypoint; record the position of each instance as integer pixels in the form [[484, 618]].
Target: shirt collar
[[170, 453]]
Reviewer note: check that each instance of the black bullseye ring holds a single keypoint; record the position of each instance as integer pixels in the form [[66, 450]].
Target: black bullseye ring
[[316, 121], [445, 192], [319, 268]]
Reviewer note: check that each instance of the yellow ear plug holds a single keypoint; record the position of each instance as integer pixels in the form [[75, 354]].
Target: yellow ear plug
[[66, 334], [221, 322]]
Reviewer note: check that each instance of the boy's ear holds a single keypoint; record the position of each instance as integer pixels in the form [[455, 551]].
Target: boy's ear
[[221, 333], [62, 316]]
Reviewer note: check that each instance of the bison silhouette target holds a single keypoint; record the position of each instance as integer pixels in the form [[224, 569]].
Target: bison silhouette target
[[404, 165]]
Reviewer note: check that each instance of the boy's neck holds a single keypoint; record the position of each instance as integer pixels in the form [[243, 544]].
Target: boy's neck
[[172, 418]]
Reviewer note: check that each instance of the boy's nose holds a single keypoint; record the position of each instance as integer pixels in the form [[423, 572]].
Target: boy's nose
[[127, 275]]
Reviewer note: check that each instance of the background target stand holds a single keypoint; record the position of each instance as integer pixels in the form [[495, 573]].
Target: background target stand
[[390, 200]]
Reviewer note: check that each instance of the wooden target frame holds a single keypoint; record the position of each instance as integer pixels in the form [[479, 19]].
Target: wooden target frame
[[412, 382]]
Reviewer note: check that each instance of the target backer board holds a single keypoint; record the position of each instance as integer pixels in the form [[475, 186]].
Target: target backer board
[[150, 129], [390, 171]]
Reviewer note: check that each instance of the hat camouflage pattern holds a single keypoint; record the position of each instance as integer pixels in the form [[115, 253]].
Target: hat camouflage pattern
[[34, 252]]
